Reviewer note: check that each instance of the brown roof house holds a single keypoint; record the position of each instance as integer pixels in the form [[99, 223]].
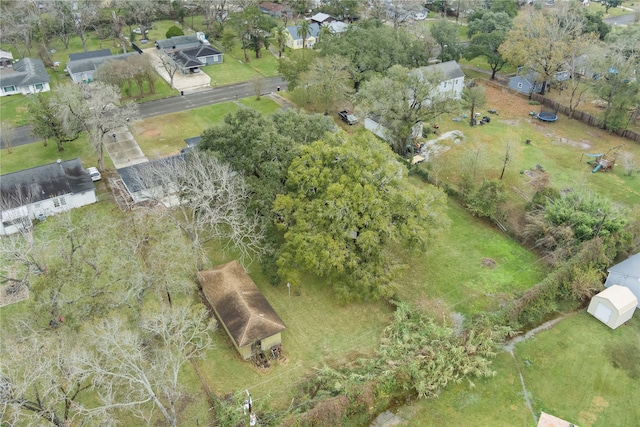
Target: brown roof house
[[244, 312]]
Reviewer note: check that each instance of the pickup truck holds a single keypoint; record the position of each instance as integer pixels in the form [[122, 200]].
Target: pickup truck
[[348, 117]]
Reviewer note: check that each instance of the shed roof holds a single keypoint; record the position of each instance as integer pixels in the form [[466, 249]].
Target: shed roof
[[620, 297], [25, 72], [43, 182], [241, 306], [449, 70], [628, 267], [5, 54]]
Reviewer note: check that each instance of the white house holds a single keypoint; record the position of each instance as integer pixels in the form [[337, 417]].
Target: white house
[[82, 66], [451, 78], [26, 76], [613, 306], [626, 274], [43, 191]]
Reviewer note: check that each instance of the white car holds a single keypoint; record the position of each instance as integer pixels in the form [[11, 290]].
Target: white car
[[94, 173], [420, 16], [139, 31]]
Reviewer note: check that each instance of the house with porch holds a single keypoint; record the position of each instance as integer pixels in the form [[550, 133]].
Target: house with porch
[[82, 66], [42, 191], [25, 76], [190, 52]]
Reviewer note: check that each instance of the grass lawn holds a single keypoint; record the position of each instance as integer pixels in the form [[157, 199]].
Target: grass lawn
[[164, 135], [14, 110], [264, 105], [31, 155], [569, 371]]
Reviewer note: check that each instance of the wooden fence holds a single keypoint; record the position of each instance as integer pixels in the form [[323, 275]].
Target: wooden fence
[[582, 116]]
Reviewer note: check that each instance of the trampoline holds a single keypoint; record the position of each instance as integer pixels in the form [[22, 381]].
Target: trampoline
[[546, 116]]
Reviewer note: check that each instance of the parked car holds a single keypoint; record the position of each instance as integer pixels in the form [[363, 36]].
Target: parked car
[[94, 173], [420, 16], [348, 117], [139, 31]]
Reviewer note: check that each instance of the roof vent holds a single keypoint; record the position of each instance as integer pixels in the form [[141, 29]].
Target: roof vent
[[59, 161]]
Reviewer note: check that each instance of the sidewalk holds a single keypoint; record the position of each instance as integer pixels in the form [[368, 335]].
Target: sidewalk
[[123, 149]]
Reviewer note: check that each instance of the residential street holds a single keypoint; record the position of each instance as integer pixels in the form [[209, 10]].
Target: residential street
[[180, 103]]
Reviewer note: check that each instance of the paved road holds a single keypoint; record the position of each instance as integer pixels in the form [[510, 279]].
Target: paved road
[[621, 20], [179, 103]]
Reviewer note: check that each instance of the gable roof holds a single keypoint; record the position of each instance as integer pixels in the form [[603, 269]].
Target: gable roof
[[268, 6], [177, 41], [25, 72], [188, 57], [320, 17], [143, 176], [43, 182], [620, 297], [245, 312], [314, 30], [449, 70], [92, 64], [628, 267], [90, 54]]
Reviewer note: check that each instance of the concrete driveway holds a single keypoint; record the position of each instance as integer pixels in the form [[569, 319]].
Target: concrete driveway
[[183, 82], [123, 149]]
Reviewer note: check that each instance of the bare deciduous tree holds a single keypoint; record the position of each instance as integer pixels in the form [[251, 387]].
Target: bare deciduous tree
[[211, 202], [169, 65], [96, 106], [138, 370], [628, 162], [41, 381]]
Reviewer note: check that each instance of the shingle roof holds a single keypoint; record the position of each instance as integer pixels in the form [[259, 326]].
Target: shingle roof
[[200, 51], [5, 54], [25, 72], [92, 64], [241, 306], [628, 267], [43, 182], [145, 175], [314, 29], [90, 54], [449, 70], [177, 41]]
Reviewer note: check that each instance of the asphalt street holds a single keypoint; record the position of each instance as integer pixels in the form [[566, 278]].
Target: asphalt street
[[178, 103]]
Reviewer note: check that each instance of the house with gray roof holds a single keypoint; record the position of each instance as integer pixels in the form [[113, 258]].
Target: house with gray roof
[[294, 38], [451, 78], [322, 18], [42, 191], [152, 181], [82, 66], [189, 53], [278, 11], [627, 274], [26, 76]]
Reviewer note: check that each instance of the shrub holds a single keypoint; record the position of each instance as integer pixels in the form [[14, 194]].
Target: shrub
[[174, 31], [532, 102]]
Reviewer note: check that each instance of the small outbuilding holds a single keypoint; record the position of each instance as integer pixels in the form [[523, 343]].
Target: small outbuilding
[[613, 306], [242, 309], [627, 274]]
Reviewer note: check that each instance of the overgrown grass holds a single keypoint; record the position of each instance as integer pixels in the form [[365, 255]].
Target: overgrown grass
[[453, 272]]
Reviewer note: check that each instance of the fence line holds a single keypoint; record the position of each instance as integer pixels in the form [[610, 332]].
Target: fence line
[[579, 115]]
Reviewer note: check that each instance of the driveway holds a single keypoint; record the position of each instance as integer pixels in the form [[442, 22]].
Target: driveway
[[183, 82], [123, 149]]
